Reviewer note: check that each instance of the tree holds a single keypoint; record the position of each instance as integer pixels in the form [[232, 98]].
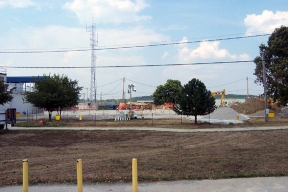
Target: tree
[[169, 92], [54, 93], [5, 96], [195, 100], [276, 63]]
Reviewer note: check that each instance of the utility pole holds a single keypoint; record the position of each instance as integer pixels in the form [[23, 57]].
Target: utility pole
[[130, 89], [123, 92], [86, 99], [101, 99], [264, 84], [247, 89], [93, 44]]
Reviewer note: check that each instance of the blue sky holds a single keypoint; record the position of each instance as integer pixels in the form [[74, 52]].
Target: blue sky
[[53, 25]]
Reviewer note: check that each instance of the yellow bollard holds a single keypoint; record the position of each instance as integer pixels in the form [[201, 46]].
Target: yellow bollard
[[134, 176], [79, 175], [80, 117], [25, 175]]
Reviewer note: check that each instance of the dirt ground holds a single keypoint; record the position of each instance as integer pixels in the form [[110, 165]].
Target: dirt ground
[[253, 105], [107, 155]]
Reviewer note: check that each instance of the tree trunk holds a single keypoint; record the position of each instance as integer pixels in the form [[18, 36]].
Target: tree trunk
[[50, 115], [195, 119]]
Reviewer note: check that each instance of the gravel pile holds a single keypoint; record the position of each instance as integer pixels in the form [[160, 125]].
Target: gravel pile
[[224, 115]]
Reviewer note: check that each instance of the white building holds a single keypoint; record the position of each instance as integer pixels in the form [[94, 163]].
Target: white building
[[18, 86]]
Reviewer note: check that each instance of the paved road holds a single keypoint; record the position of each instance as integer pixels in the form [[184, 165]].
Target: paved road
[[268, 184], [154, 129]]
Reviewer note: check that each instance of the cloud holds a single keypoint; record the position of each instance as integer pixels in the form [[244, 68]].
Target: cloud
[[206, 51], [17, 3], [166, 54], [266, 22], [108, 11], [183, 41], [129, 36], [175, 27], [58, 37]]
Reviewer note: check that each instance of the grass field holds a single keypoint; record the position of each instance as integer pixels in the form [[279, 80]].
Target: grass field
[[161, 156]]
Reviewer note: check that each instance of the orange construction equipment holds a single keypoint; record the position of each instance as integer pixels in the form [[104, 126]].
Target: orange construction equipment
[[168, 105], [122, 106]]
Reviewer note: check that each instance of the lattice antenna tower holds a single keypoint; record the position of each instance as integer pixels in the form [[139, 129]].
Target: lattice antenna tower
[[93, 44]]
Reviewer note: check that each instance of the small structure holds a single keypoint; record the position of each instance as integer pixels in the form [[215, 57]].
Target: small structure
[[17, 87]]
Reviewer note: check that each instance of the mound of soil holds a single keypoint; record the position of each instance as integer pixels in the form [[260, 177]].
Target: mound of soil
[[250, 106]]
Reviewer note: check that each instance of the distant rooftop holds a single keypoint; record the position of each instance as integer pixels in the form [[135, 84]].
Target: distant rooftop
[[22, 79]]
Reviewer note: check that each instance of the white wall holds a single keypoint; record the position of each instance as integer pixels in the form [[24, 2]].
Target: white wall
[[22, 106]]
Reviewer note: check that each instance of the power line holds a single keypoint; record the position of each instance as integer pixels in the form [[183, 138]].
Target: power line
[[130, 47], [112, 89], [227, 83], [128, 66], [109, 83], [141, 83]]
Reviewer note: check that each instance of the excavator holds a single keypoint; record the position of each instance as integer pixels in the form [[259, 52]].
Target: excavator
[[223, 93]]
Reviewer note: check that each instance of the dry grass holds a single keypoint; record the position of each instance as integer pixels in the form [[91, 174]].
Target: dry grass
[[167, 123], [107, 155]]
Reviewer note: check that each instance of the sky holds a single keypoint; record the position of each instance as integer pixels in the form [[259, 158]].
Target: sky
[[200, 34]]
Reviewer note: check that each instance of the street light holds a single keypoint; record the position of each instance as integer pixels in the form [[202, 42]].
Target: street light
[[130, 89]]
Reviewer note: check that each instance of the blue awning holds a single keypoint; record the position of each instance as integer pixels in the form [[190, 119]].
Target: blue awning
[[23, 79]]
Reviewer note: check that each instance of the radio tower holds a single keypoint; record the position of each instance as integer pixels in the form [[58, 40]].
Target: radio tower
[[93, 44]]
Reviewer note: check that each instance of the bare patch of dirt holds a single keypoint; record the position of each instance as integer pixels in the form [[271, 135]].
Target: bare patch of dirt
[[107, 155], [253, 105], [250, 106]]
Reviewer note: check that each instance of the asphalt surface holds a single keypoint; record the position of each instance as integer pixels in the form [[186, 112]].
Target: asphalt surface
[[268, 184]]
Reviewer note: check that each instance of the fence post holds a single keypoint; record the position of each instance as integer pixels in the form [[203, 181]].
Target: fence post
[[134, 176], [25, 175], [79, 175]]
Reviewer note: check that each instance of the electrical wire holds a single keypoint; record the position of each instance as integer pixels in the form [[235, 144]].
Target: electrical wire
[[130, 47], [108, 83], [227, 83], [141, 83], [130, 66], [112, 89]]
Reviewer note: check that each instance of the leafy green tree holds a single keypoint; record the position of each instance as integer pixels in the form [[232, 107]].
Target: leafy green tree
[[54, 93], [169, 92], [5, 96], [276, 63], [195, 100]]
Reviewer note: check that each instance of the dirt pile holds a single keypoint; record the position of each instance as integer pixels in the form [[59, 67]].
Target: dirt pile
[[250, 106]]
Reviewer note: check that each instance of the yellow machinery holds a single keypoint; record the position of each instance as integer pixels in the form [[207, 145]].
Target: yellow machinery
[[223, 93], [146, 106], [270, 101]]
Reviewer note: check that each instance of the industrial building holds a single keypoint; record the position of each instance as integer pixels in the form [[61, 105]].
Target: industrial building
[[18, 86]]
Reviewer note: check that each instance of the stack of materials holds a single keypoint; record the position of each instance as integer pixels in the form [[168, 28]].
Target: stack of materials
[[224, 115]]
